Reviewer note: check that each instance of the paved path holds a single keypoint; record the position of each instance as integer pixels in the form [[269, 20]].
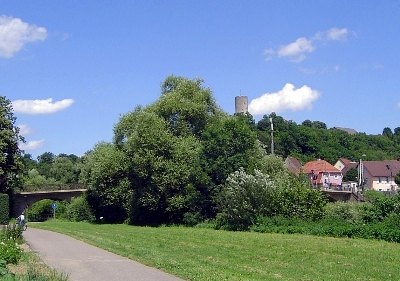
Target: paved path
[[84, 262]]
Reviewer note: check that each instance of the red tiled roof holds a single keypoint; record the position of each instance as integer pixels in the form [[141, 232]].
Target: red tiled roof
[[319, 166]]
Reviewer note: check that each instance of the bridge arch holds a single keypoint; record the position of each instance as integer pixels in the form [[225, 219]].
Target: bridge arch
[[22, 200]]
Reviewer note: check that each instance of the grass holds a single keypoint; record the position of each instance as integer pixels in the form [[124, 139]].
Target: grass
[[31, 268], [206, 254]]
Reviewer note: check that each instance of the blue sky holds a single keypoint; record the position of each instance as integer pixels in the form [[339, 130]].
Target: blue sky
[[71, 68]]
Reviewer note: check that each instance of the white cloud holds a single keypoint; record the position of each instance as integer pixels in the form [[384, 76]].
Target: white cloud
[[46, 106], [289, 98], [31, 145], [398, 104], [296, 51], [24, 130], [336, 34], [14, 34], [269, 54]]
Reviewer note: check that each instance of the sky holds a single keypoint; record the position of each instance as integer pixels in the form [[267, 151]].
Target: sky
[[72, 68]]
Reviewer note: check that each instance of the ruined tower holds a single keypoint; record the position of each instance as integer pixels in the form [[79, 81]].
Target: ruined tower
[[241, 104]]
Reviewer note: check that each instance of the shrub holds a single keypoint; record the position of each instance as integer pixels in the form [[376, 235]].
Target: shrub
[[5, 274], [11, 232], [245, 197], [10, 252], [61, 211], [301, 202], [4, 208], [380, 207], [191, 219], [40, 211], [79, 210], [351, 212]]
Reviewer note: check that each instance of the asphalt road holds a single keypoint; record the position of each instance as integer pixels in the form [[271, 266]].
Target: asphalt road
[[83, 262]]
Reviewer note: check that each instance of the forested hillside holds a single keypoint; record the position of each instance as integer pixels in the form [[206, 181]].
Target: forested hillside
[[306, 141], [312, 140]]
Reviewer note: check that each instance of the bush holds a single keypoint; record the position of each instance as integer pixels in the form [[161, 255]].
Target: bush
[[300, 201], [351, 212], [61, 210], [40, 211], [244, 198], [10, 252], [11, 232], [380, 207], [79, 210], [9, 249], [4, 208]]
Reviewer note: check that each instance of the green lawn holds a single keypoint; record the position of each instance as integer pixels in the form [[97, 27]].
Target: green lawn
[[205, 254]]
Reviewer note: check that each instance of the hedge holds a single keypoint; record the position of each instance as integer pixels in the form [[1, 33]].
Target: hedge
[[4, 208]]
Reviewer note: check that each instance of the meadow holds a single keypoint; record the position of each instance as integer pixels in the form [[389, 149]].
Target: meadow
[[208, 254]]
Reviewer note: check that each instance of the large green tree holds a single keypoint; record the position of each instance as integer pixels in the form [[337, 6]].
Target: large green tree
[[10, 154], [173, 153], [104, 173], [229, 144]]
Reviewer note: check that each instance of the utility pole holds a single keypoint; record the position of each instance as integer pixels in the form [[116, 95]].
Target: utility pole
[[272, 136]]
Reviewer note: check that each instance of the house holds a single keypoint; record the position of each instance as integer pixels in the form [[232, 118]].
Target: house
[[344, 165], [293, 165], [323, 174], [379, 175]]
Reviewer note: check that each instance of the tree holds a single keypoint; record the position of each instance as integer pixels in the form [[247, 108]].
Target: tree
[[229, 143], [397, 179], [45, 162], [387, 132], [165, 172], [351, 175], [397, 131], [186, 105], [307, 123], [10, 155], [318, 125], [64, 170]]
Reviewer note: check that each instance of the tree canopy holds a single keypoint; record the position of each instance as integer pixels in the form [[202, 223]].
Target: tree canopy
[[173, 154], [10, 154], [312, 140]]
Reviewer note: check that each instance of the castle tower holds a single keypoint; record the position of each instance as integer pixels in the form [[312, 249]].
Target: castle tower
[[241, 104]]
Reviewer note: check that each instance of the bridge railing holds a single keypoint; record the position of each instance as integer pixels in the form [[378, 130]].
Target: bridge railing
[[52, 187]]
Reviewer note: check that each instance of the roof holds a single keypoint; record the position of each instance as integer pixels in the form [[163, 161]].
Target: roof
[[351, 165], [319, 166], [384, 168], [293, 165], [345, 161], [347, 130]]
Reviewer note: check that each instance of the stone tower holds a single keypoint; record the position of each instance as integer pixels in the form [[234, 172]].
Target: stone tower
[[241, 104]]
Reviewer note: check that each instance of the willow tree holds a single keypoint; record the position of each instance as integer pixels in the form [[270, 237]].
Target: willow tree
[[167, 160]]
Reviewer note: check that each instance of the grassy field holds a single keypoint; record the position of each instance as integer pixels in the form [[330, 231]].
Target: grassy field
[[205, 254]]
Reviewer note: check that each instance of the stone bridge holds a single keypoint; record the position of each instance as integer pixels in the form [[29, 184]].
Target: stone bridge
[[23, 200]]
